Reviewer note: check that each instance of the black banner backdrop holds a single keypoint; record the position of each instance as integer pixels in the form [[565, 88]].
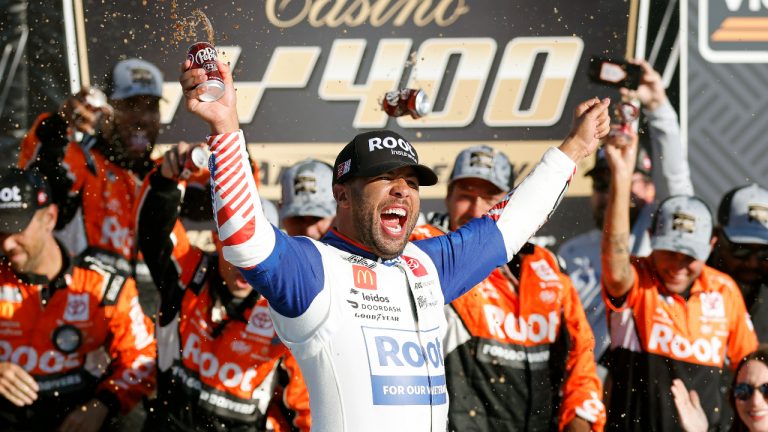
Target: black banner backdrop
[[311, 73]]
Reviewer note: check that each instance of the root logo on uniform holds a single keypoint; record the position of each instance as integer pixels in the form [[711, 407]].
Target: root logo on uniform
[[364, 278], [406, 366], [733, 31], [415, 265]]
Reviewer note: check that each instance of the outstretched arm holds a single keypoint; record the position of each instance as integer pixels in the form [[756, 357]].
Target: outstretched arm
[[618, 278], [521, 213]]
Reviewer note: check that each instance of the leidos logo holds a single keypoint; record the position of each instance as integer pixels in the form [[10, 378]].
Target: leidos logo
[[363, 277], [733, 31]]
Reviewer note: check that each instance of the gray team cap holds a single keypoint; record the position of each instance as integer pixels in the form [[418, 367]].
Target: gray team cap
[[485, 163], [136, 77], [743, 215], [306, 190], [683, 224]]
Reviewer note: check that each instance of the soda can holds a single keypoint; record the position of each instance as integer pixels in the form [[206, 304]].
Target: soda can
[[196, 161], [203, 55], [406, 101]]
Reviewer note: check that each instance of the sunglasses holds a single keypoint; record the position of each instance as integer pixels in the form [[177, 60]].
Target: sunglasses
[[743, 391]]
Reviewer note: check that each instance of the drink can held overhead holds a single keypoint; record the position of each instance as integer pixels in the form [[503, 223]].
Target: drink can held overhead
[[203, 55], [406, 101]]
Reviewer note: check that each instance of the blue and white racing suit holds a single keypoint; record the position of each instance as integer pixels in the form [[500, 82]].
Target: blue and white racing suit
[[366, 332]]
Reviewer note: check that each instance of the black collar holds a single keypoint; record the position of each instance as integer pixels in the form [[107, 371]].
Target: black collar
[[61, 281]]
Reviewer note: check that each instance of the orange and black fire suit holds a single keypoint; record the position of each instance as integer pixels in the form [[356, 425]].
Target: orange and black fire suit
[[657, 336], [98, 194], [519, 358], [81, 336], [221, 365]]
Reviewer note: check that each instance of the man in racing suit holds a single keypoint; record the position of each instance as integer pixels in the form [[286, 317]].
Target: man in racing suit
[[519, 347], [362, 310], [220, 363], [96, 181], [76, 348], [671, 316]]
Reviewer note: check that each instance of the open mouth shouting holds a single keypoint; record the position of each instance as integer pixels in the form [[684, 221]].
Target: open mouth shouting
[[393, 221]]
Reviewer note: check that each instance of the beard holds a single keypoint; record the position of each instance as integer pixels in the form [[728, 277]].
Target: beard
[[367, 218], [132, 152]]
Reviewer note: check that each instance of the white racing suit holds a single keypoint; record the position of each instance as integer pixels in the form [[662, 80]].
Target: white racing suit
[[367, 333]]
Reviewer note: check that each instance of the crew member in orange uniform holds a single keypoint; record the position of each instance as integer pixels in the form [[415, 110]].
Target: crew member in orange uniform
[[76, 348], [670, 315], [97, 180], [518, 348]]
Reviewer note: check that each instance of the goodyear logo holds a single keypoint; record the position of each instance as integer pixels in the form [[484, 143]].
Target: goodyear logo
[[363, 277], [733, 31], [407, 367]]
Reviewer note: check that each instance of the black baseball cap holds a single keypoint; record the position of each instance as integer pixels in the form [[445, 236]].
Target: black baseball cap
[[22, 193], [372, 153]]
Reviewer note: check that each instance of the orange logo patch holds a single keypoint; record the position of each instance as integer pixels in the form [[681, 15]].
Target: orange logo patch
[[364, 277]]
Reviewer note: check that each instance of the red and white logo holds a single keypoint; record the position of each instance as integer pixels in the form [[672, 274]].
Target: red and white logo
[[363, 277], [712, 305], [544, 270], [77, 307], [260, 323], [415, 265]]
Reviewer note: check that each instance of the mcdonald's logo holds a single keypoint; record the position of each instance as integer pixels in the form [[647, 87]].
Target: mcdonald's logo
[[364, 277], [6, 310]]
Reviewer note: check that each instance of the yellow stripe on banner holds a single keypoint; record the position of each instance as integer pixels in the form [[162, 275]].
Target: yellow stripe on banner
[[437, 155], [751, 23], [740, 36]]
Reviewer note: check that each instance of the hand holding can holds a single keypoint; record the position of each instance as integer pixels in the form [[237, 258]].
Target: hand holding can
[[203, 55], [193, 161], [184, 160]]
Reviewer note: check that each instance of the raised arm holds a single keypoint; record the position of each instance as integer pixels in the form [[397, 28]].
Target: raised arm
[[618, 278], [522, 212], [273, 263], [244, 231], [669, 152]]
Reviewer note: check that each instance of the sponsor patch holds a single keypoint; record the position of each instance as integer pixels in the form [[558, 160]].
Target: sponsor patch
[[712, 305], [77, 307], [400, 362], [260, 323], [10, 294], [363, 277], [415, 265], [544, 270]]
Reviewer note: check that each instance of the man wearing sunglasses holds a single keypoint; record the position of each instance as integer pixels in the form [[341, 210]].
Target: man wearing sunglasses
[[741, 250]]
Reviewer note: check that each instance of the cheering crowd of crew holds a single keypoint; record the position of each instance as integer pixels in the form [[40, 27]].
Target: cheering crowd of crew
[[652, 320]]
